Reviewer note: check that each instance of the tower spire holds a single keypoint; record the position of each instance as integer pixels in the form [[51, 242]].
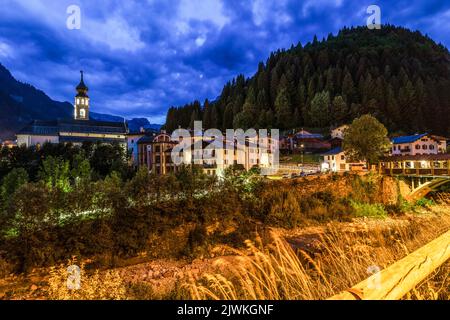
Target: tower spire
[[81, 111]]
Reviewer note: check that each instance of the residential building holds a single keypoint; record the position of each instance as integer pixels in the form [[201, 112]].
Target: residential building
[[9, 143], [335, 142], [132, 146], [441, 143], [304, 141], [418, 144], [214, 156], [335, 160], [339, 132], [160, 154], [144, 148]]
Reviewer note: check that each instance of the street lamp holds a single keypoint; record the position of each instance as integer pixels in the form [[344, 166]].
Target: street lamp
[[302, 146]]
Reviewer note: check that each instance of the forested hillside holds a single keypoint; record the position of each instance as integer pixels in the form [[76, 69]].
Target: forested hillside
[[399, 76]]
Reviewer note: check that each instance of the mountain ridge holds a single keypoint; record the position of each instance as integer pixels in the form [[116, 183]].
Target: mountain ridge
[[21, 103]]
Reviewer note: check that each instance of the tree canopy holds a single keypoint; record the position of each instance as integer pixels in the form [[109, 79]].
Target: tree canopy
[[365, 139], [399, 76]]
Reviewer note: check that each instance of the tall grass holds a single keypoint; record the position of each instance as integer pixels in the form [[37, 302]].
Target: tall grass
[[107, 285], [338, 261]]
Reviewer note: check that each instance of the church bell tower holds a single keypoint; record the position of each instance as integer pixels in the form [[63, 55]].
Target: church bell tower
[[81, 111]]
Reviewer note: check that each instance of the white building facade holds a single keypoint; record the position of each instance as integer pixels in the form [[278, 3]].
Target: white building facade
[[418, 144], [335, 160]]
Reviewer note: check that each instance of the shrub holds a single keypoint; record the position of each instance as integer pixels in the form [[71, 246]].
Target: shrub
[[285, 211], [424, 202], [11, 182], [376, 210], [364, 188], [196, 240], [140, 291]]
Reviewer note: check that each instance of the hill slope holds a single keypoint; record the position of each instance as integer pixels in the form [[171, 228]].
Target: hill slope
[[400, 76], [20, 103]]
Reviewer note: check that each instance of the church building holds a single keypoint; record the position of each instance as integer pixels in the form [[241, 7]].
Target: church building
[[77, 130]]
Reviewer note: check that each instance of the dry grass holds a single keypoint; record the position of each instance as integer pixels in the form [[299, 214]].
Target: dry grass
[[96, 286], [338, 261]]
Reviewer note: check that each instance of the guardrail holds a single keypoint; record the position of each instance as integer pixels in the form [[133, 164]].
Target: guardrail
[[397, 280]]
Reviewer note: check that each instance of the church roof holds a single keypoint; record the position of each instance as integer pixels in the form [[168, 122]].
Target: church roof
[[92, 126], [39, 127], [53, 128]]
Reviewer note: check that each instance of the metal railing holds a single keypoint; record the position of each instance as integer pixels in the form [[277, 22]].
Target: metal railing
[[394, 282]]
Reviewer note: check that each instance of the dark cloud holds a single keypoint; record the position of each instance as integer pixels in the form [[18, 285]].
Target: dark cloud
[[141, 57]]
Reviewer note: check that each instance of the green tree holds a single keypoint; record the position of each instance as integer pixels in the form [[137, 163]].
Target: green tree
[[340, 110], [32, 218], [207, 115], [228, 117], [81, 169], [55, 173], [283, 114], [320, 110], [11, 182], [366, 140]]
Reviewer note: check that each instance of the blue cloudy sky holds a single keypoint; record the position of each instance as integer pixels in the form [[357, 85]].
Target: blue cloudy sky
[[140, 57]]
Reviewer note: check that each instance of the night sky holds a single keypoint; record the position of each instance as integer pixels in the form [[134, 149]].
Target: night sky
[[140, 57]]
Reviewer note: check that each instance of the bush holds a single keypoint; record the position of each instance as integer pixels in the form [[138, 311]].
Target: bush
[[424, 202], [364, 188], [376, 210], [284, 211], [11, 182], [196, 240]]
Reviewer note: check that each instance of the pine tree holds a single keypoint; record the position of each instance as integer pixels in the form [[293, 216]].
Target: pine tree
[[340, 110], [228, 117], [320, 109], [207, 115], [284, 119], [348, 88]]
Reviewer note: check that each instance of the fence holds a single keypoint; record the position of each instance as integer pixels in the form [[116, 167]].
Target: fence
[[397, 280]]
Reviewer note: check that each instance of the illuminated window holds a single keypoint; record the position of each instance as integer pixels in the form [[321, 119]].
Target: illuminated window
[[82, 113], [78, 100]]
